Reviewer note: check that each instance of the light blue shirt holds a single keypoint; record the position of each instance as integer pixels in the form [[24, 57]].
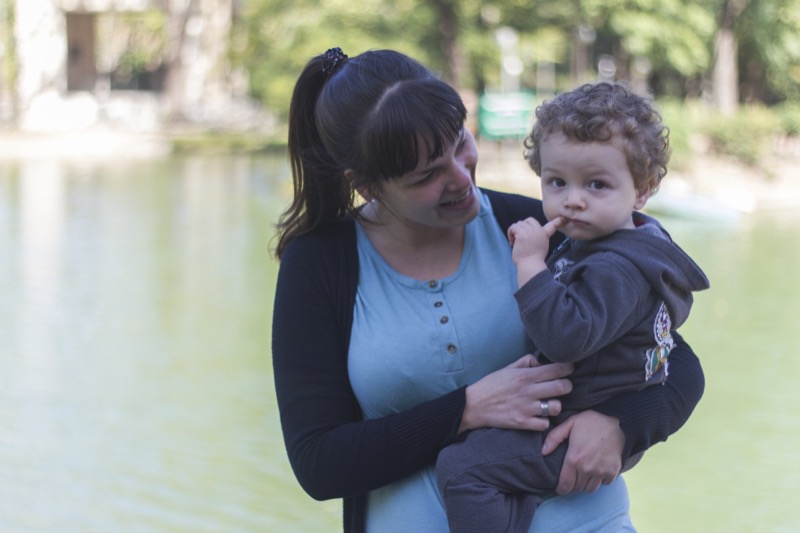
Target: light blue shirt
[[414, 340]]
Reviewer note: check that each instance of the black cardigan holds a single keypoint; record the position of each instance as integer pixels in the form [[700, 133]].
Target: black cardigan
[[333, 451]]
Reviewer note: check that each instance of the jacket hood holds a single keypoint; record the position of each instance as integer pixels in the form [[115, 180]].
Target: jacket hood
[[669, 270]]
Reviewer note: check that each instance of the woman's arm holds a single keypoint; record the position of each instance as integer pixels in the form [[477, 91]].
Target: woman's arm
[[333, 451], [653, 414]]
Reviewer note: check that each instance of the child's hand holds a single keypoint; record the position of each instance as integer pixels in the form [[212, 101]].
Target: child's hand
[[530, 239], [531, 242]]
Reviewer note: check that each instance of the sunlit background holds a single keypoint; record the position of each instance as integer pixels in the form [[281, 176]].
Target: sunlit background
[[135, 377], [137, 204]]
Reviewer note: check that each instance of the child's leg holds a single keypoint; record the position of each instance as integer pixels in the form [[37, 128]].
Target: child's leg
[[494, 479]]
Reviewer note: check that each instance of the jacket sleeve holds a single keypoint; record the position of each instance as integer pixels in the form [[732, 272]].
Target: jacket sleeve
[[569, 322], [651, 415], [333, 451]]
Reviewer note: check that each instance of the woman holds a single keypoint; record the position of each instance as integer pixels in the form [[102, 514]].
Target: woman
[[395, 328]]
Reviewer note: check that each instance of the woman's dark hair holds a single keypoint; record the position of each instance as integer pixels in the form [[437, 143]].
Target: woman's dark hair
[[373, 115], [597, 112]]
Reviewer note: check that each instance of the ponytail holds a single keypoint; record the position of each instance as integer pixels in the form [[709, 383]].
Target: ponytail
[[321, 194]]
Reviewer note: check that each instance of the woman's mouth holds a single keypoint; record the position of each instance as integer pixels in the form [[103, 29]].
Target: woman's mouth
[[460, 201]]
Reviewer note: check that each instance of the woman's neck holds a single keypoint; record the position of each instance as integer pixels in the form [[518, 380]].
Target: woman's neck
[[417, 252]]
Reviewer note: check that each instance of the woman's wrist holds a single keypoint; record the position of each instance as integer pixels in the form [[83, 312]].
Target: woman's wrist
[[468, 415]]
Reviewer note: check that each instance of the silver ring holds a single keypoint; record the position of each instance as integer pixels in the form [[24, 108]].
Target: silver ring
[[545, 406]]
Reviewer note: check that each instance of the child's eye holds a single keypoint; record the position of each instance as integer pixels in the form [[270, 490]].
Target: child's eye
[[557, 182], [597, 184]]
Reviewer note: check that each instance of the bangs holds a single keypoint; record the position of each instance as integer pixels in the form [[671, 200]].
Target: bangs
[[411, 119]]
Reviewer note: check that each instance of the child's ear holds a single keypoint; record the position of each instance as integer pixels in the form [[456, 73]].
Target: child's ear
[[641, 198]]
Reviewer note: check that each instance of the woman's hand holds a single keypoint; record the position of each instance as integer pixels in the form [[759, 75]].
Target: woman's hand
[[512, 396], [594, 451]]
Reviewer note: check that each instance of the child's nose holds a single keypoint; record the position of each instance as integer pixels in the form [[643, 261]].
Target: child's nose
[[574, 199]]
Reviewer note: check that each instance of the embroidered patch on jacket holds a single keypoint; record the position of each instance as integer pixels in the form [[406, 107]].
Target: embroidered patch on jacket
[[560, 267], [656, 357]]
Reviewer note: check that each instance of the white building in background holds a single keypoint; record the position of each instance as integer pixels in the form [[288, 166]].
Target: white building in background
[[62, 82]]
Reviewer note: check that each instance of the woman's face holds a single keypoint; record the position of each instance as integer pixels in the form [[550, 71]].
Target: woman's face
[[437, 194]]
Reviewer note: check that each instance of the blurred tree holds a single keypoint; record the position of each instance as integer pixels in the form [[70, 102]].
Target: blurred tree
[[132, 55], [726, 50], [769, 51], [668, 45], [670, 40], [447, 18], [276, 38], [8, 64], [672, 36], [178, 14]]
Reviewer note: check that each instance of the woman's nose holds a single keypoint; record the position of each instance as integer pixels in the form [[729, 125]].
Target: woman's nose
[[460, 174], [464, 161]]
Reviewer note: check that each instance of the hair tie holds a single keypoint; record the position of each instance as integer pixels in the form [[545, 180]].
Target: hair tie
[[332, 60]]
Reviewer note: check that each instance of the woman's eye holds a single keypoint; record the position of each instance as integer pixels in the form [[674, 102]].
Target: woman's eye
[[462, 142], [425, 179]]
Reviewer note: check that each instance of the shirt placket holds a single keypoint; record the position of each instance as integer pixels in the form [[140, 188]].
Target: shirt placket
[[449, 348]]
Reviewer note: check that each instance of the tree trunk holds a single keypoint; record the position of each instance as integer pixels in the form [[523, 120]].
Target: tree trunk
[[178, 13], [726, 71], [8, 63], [447, 14]]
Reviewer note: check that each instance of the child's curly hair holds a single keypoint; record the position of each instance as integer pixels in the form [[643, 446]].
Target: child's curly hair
[[597, 112]]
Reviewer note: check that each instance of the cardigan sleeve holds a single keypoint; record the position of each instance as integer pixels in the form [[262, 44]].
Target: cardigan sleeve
[[333, 451], [651, 415]]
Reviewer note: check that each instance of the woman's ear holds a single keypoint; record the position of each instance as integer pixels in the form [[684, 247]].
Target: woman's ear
[[362, 190]]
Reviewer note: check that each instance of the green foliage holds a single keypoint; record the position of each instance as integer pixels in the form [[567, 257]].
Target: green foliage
[[678, 116], [210, 142], [745, 136], [789, 116], [671, 33], [769, 45], [273, 39], [9, 69], [133, 42]]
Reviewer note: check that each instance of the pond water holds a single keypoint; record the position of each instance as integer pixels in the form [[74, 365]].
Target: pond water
[[136, 389]]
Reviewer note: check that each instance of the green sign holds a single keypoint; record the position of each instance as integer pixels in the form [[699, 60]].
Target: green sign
[[505, 115]]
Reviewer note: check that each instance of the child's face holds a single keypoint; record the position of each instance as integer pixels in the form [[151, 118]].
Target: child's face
[[589, 184]]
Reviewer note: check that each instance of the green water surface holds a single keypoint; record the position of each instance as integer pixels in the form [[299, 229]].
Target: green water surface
[[135, 376]]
